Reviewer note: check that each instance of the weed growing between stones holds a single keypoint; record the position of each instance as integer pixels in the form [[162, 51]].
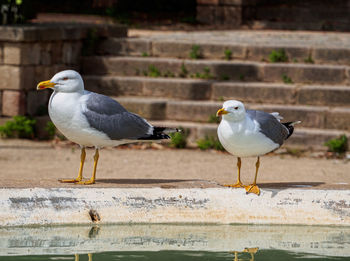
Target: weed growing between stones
[[286, 79], [210, 142], [179, 139], [228, 54], [195, 52], [338, 145], [18, 127], [278, 56]]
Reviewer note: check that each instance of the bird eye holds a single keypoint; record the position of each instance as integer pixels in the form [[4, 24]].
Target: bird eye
[[236, 108], [65, 78]]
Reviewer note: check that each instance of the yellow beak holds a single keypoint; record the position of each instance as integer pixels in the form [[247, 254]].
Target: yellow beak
[[221, 112], [44, 85]]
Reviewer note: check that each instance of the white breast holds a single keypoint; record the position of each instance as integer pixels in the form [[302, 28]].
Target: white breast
[[65, 110], [243, 138]]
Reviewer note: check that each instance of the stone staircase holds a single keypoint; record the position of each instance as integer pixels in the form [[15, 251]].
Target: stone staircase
[[153, 76]]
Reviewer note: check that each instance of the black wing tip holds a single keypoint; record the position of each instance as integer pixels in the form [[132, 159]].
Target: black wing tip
[[160, 133], [290, 126]]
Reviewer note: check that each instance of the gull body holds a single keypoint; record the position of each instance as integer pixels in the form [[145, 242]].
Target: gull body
[[94, 120], [250, 133]]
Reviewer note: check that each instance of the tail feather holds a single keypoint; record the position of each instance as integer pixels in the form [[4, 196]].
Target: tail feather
[[290, 127], [160, 133]]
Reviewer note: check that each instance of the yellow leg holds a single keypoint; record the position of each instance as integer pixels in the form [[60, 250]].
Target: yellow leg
[[76, 257], [93, 177], [80, 174], [253, 188], [90, 257], [238, 184]]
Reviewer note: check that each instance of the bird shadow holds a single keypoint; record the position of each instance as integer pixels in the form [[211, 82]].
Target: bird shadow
[[284, 185], [144, 181]]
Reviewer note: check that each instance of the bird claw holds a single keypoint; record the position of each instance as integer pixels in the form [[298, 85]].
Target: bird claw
[[86, 182], [252, 189]]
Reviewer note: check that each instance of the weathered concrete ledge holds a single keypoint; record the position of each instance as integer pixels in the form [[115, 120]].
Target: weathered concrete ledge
[[40, 206]]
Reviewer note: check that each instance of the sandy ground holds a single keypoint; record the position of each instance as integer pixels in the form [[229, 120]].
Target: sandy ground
[[28, 164]]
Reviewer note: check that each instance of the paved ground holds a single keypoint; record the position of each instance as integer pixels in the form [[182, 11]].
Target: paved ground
[[26, 164]]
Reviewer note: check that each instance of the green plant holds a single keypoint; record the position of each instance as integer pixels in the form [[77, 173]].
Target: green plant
[[221, 98], [184, 72], [50, 129], [241, 77], [224, 77], [144, 54], [169, 74], [278, 56], [153, 71], [286, 79], [19, 127], [309, 59], [228, 54], [338, 145], [213, 119], [179, 139], [209, 142], [195, 52]]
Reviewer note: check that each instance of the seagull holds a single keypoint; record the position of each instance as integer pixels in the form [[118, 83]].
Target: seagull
[[94, 120], [250, 133]]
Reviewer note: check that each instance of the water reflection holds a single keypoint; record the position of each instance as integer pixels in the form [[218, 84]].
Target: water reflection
[[187, 242]]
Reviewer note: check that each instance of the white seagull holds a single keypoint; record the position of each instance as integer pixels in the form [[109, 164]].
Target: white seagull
[[248, 133], [94, 120]]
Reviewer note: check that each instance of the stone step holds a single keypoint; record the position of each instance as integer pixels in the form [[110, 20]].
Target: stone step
[[197, 89], [216, 69], [299, 48], [318, 117], [305, 138]]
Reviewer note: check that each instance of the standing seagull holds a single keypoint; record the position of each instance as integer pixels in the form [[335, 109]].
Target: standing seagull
[[247, 133], [94, 120]]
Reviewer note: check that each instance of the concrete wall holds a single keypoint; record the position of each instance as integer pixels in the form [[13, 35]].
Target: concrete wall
[[33, 53]]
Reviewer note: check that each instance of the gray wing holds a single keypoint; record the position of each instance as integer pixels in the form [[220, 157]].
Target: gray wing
[[269, 126], [108, 116]]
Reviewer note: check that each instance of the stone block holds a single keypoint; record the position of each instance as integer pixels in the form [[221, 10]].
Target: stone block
[[37, 102], [71, 52], [206, 14], [22, 53], [302, 73], [323, 95], [56, 52], [151, 109], [217, 51], [138, 47], [195, 111], [10, 77], [255, 92], [338, 118], [331, 55], [235, 71], [177, 89], [40, 127], [262, 53], [171, 49], [13, 103], [114, 86], [112, 46]]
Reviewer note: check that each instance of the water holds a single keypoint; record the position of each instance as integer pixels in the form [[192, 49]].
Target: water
[[175, 242]]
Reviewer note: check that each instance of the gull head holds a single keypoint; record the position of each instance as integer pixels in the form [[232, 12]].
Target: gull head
[[65, 81], [232, 110]]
